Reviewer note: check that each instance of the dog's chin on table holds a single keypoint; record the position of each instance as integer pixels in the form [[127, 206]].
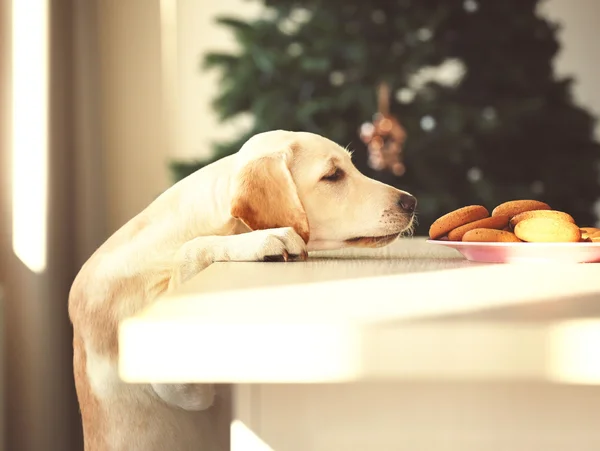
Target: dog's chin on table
[[374, 241]]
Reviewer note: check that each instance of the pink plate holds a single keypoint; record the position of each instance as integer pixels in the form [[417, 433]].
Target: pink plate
[[525, 252]]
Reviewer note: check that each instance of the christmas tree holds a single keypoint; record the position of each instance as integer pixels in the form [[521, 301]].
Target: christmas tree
[[485, 118]]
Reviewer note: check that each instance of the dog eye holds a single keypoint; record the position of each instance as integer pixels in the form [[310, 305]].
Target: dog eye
[[335, 176]]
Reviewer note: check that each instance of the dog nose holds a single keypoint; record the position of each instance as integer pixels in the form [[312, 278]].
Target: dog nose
[[407, 202]]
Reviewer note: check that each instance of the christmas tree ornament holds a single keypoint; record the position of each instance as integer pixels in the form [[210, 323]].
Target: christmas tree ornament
[[384, 136]]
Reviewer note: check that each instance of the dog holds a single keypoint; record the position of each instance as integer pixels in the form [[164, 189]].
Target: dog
[[281, 195]]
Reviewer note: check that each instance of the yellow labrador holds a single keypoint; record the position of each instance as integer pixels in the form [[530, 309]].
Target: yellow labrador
[[283, 194]]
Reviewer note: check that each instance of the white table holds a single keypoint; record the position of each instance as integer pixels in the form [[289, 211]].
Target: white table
[[408, 347]]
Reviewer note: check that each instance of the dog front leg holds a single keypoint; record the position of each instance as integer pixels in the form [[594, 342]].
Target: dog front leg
[[282, 244]]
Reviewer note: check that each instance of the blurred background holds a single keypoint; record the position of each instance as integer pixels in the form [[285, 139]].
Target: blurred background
[[105, 103]]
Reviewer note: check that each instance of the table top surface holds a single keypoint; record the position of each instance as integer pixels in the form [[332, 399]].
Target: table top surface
[[418, 295], [411, 279]]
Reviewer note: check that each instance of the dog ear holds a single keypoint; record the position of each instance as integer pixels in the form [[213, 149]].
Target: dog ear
[[265, 196]]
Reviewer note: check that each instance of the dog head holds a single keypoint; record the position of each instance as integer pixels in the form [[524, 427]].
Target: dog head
[[305, 181]]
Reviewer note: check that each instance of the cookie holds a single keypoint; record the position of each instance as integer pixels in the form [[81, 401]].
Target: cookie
[[588, 231], [490, 235], [493, 222], [457, 218], [514, 207], [547, 230], [541, 214]]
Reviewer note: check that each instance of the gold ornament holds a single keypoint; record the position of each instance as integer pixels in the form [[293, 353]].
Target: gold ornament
[[384, 136]]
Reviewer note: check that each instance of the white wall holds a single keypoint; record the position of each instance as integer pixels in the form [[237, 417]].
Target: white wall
[[136, 148], [198, 34], [580, 53]]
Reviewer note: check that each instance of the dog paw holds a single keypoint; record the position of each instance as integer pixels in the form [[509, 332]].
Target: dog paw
[[274, 245], [282, 245], [192, 397]]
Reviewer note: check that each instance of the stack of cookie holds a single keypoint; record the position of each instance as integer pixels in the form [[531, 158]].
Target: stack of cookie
[[515, 221]]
